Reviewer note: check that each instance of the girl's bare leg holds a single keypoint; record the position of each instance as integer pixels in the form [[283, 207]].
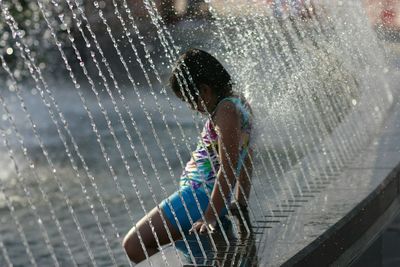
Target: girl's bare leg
[[131, 241]]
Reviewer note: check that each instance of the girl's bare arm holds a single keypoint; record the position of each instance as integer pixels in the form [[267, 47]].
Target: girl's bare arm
[[227, 122], [242, 192]]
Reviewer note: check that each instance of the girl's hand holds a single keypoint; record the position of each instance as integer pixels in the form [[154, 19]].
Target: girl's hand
[[203, 227]]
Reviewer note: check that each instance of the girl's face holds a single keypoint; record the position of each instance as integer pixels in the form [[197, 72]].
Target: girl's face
[[207, 100]]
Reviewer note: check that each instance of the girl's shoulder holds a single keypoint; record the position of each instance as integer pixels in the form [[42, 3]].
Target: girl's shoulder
[[237, 99], [240, 102], [226, 109], [235, 106]]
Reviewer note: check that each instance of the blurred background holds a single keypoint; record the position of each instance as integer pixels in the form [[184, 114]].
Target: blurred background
[[383, 15], [173, 12]]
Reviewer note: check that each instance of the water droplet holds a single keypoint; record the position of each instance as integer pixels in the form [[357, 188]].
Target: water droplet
[[9, 51]]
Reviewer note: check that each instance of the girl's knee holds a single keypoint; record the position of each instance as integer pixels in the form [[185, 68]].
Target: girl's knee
[[133, 248]]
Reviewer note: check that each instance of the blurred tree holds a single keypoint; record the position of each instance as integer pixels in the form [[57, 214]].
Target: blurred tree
[[33, 29]]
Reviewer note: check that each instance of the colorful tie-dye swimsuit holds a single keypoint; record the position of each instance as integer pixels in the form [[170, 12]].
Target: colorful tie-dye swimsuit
[[204, 163], [183, 207]]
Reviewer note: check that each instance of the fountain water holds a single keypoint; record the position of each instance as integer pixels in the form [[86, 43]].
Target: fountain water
[[107, 152]]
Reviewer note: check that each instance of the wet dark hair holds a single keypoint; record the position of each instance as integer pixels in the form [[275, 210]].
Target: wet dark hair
[[197, 67]]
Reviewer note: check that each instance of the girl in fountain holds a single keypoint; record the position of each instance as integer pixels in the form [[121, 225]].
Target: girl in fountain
[[221, 158]]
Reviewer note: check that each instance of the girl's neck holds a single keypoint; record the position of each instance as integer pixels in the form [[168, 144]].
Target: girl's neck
[[227, 94]]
